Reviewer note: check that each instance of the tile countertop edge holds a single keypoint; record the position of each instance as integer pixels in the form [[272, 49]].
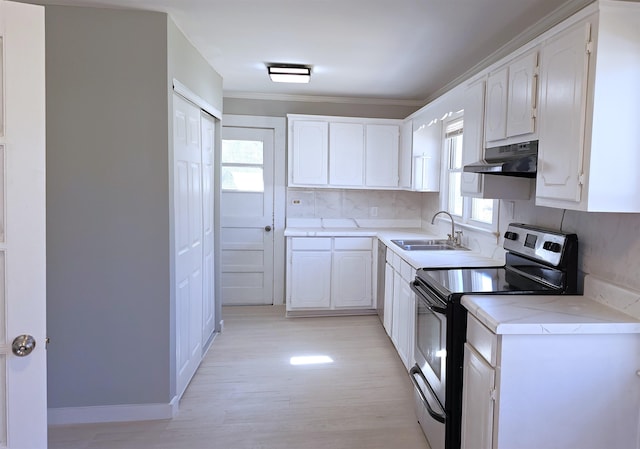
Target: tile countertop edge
[[539, 315]]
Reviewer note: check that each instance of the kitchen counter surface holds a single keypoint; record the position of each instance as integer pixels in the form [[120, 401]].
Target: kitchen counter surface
[[417, 259], [525, 314]]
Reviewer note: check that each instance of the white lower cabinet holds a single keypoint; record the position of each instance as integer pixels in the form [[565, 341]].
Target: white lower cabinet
[[478, 397], [546, 390], [400, 301], [326, 274], [351, 280], [310, 279]]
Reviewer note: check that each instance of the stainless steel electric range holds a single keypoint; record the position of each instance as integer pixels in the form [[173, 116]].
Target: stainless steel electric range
[[538, 261]]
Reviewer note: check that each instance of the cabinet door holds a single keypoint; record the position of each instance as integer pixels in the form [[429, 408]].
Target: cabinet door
[[310, 279], [309, 152], [381, 155], [522, 95], [478, 389], [388, 298], [472, 142], [351, 280], [346, 154], [496, 112], [563, 92], [404, 322], [396, 318], [406, 151]]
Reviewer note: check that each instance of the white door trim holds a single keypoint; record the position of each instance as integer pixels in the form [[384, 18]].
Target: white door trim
[[278, 124]]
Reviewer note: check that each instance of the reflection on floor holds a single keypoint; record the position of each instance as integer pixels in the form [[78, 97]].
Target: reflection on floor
[[247, 394]]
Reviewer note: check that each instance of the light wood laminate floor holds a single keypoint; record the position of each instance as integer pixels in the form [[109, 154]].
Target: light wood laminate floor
[[247, 395]]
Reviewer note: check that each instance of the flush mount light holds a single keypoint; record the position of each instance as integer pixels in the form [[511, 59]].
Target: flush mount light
[[288, 73]]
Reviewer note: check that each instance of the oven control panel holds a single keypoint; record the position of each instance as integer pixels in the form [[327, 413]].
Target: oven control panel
[[541, 244]]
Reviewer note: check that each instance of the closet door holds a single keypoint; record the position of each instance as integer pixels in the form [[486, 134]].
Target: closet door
[[188, 239], [208, 299]]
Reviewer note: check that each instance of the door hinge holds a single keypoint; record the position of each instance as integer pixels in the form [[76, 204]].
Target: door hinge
[[492, 394], [581, 179], [534, 112], [589, 47]]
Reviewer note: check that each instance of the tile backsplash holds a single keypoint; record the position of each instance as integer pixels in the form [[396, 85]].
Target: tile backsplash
[[359, 204]]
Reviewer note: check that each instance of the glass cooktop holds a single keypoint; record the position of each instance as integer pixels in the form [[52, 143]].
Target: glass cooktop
[[481, 281]]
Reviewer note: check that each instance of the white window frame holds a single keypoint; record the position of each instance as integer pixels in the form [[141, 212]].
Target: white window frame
[[464, 220]]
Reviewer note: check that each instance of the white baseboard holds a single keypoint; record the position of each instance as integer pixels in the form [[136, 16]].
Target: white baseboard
[[112, 413]]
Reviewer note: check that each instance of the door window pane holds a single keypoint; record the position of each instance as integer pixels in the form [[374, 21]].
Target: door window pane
[[242, 179], [242, 152], [242, 166]]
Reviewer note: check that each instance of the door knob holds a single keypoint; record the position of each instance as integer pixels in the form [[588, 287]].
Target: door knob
[[23, 345], [267, 228]]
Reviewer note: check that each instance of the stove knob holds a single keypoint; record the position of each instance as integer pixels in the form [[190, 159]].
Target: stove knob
[[552, 246], [511, 235]]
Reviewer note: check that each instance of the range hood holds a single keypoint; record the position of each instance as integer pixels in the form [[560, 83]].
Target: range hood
[[518, 159]]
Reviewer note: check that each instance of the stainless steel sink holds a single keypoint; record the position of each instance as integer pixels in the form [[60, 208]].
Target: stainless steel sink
[[428, 245]]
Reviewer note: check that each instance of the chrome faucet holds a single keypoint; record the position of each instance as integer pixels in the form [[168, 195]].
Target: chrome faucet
[[455, 237]]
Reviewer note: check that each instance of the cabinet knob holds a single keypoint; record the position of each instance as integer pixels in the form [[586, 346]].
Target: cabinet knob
[[267, 228]]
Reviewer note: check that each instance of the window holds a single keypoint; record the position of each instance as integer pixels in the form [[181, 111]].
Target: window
[[475, 212], [242, 166]]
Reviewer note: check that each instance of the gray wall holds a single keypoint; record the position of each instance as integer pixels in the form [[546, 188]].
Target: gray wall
[[188, 66], [280, 108], [107, 209], [108, 202]]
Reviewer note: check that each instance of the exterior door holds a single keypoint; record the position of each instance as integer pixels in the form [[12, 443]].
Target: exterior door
[[188, 239], [247, 215], [23, 380]]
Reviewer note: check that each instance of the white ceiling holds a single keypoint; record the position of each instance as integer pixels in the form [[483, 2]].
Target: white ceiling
[[400, 50]]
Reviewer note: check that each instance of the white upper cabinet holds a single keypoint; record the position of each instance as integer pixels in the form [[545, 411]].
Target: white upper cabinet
[[521, 103], [496, 114], [472, 139], [382, 154], [427, 150], [406, 150], [326, 151], [474, 184], [308, 150], [562, 106], [588, 155], [511, 101], [346, 154]]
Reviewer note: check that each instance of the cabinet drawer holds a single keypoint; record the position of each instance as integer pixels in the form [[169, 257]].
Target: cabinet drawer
[[396, 262], [351, 243], [390, 255], [482, 339], [311, 243], [407, 272]]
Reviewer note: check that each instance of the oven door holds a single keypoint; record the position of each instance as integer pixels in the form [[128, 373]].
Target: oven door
[[431, 338]]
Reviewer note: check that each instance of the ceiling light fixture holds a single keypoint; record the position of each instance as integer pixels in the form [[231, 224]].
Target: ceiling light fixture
[[288, 73]]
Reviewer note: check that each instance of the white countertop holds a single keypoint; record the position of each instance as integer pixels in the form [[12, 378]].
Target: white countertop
[[417, 259], [524, 314]]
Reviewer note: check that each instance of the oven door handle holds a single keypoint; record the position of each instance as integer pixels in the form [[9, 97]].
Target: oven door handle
[[440, 417], [425, 296]]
